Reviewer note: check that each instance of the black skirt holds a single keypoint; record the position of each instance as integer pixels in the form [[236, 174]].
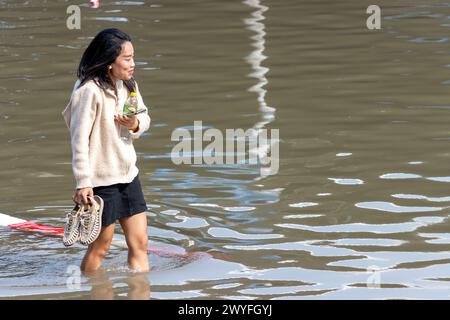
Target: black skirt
[[121, 200]]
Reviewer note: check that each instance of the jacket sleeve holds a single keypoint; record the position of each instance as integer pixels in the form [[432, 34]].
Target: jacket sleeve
[[83, 112], [144, 118]]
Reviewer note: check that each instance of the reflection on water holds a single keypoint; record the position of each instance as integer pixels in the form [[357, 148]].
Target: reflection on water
[[102, 286], [255, 59], [359, 207]]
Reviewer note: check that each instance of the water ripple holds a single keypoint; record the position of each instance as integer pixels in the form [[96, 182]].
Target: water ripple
[[389, 228], [390, 207], [439, 179], [400, 176], [437, 238], [302, 216], [344, 154], [308, 246], [347, 181], [429, 40], [228, 233], [368, 242], [113, 19], [408, 15], [189, 222], [303, 204], [421, 197]]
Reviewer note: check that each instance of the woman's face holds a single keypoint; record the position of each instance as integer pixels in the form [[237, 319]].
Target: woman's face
[[123, 67]]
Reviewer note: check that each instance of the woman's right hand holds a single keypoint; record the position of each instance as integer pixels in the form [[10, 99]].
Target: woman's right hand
[[83, 196]]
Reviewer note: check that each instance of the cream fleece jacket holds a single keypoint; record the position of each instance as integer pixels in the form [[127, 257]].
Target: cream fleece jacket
[[100, 156]]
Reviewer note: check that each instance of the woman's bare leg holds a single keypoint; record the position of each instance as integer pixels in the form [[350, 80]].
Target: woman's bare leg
[[135, 229], [97, 250]]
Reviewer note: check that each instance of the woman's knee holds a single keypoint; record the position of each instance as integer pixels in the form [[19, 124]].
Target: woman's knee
[[100, 248], [139, 243]]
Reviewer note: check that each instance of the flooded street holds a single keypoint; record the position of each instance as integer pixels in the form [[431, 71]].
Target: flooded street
[[359, 206]]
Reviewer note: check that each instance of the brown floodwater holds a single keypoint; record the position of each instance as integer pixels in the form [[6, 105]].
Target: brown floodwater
[[358, 207]]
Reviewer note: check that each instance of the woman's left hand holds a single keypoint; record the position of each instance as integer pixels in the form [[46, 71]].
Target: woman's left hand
[[131, 122]]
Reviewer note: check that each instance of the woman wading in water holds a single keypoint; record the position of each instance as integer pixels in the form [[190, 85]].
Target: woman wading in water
[[103, 155]]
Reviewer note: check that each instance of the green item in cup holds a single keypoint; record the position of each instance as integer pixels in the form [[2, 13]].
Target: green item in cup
[[131, 105]]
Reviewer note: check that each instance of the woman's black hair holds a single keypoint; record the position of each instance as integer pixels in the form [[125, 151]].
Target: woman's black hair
[[102, 52]]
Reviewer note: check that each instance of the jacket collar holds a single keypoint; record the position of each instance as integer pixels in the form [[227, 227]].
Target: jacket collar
[[119, 86]]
